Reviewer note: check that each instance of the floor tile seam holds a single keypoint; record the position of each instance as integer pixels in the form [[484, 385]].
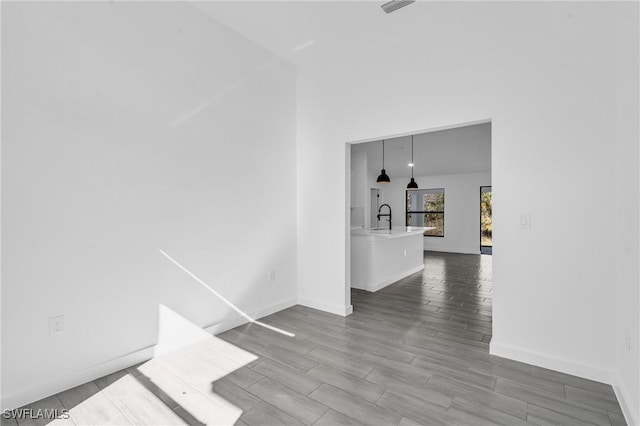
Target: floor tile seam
[[61, 404], [292, 390], [304, 373], [595, 410], [504, 412], [586, 423], [251, 367], [131, 421]]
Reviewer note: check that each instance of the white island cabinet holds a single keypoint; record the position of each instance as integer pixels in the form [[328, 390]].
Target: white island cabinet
[[382, 257]]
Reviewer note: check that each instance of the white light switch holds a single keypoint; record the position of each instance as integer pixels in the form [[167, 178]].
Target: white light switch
[[525, 221]]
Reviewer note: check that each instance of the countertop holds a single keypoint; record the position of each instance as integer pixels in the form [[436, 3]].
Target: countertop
[[385, 234]]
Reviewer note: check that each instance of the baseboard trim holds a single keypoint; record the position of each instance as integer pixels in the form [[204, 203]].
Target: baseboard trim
[[382, 284], [76, 378], [621, 393], [453, 250], [229, 323], [327, 307], [553, 363]]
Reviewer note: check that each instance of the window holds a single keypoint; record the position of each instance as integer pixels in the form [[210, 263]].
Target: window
[[425, 207], [486, 221]]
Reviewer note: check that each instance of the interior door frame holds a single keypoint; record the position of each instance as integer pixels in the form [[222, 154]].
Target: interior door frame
[[348, 309]]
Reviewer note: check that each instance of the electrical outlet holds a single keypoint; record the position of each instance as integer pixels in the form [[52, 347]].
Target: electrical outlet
[[271, 276], [525, 221], [56, 325], [405, 252]]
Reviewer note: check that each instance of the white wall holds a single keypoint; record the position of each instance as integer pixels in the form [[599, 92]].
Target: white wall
[[627, 216], [128, 128], [461, 206], [545, 74]]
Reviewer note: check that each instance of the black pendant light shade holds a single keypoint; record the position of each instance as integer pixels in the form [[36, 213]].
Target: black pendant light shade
[[383, 178], [412, 183]]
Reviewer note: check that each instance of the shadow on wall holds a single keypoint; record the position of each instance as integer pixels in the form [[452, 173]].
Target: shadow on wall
[[223, 299]]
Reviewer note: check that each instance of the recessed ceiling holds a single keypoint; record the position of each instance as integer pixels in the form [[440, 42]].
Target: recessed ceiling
[[452, 151]]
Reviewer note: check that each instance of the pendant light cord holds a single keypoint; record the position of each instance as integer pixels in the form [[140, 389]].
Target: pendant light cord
[[383, 154], [413, 164]]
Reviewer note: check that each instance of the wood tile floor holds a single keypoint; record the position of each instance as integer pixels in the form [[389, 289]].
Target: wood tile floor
[[414, 353]]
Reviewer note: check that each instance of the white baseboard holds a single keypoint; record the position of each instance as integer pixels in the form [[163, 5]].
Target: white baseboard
[[382, 284], [357, 286], [327, 307], [76, 378], [632, 418], [454, 250], [233, 322], [569, 367], [590, 372]]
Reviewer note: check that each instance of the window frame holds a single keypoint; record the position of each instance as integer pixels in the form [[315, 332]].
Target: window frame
[[483, 190], [407, 212]]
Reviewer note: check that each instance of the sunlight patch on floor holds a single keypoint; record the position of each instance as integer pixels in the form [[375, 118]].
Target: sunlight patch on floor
[[186, 376], [175, 387]]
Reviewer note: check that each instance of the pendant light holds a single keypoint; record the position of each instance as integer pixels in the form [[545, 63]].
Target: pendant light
[[383, 178], [412, 184]]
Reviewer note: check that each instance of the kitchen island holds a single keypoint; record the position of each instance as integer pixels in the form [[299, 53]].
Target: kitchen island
[[380, 257]]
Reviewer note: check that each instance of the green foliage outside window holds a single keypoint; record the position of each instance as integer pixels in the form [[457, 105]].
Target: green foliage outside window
[[434, 203], [425, 207], [486, 223]]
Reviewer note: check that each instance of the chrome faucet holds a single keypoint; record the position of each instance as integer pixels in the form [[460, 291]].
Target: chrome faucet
[[388, 214]]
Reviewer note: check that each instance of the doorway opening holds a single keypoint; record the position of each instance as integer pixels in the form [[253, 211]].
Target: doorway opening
[[457, 157], [486, 220]]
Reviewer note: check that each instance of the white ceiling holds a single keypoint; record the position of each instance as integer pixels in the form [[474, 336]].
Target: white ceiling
[[303, 32], [453, 151]]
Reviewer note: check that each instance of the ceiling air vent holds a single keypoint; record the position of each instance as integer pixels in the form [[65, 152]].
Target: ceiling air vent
[[395, 5]]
